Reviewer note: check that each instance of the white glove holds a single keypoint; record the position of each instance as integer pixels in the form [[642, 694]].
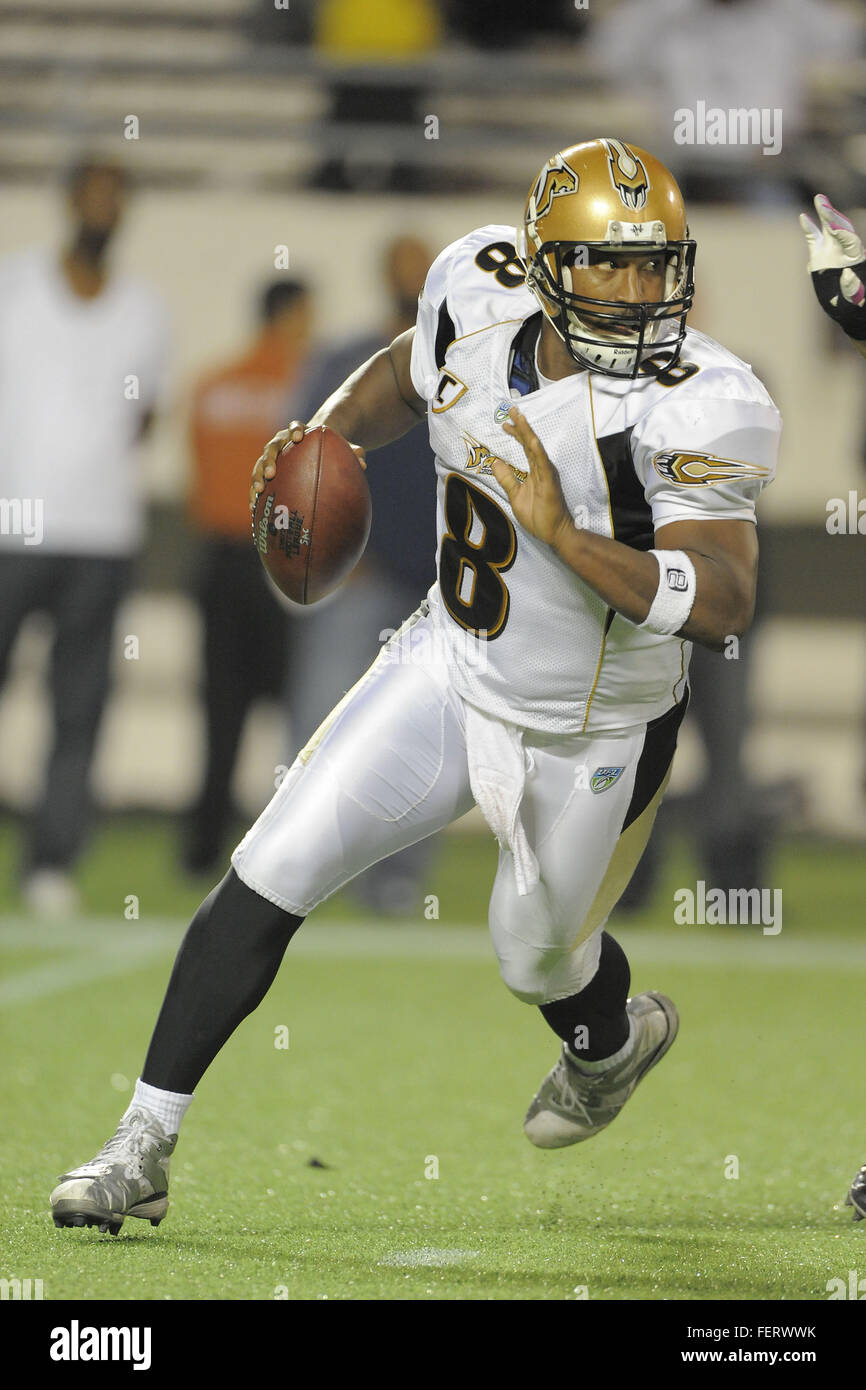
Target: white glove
[[837, 263]]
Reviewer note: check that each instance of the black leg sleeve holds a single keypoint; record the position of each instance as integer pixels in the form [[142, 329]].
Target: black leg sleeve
[[225, 966], [599, 1008]]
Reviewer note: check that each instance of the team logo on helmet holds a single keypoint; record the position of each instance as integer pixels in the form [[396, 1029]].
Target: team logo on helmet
[[628, 175], [555, 179], [703, 470]]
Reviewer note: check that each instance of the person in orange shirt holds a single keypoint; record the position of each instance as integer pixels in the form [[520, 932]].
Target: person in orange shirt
[[245, 631]]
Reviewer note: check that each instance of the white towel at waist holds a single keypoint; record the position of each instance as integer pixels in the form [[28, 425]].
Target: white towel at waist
[[497, 773]]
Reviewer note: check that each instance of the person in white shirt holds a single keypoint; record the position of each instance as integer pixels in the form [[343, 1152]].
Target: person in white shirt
[[82, 357], [727, 83]]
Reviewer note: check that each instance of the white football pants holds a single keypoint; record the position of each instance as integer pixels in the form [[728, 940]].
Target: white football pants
[[389, 766]]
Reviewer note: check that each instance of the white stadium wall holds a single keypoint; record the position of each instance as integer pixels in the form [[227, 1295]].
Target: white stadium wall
[[208, 252]]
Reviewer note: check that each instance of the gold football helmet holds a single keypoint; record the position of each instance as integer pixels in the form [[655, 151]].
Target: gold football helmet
[[595, 199]]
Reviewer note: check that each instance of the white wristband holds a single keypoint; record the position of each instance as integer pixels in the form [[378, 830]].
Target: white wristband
[[675, 595]]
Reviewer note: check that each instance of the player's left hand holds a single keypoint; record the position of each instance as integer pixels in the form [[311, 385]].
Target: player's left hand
[[537, 502], [837, 263]]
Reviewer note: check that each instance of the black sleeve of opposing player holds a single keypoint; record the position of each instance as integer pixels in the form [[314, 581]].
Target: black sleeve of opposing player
[[851, 318]]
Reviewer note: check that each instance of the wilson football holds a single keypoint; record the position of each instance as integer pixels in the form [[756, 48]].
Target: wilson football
[[312, 519]]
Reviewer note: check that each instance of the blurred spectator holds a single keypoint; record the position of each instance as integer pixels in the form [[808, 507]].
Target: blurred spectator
[[513, 23], [235, 408], [289, 23], [728, 819], [375, 32], [731, 821], [377, 29], [728, 55], [333, 645], [82, 362]]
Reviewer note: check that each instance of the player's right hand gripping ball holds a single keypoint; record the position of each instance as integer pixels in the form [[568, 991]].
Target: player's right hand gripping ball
[[837, 262], [311, 520]]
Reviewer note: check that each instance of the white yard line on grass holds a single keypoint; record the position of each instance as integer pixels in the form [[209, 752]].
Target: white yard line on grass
[[76, 971], [428, 1256], [98, 948], [81, 933]]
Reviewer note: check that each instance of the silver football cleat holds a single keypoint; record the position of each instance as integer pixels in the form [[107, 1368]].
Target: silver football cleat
[[573, 1105], [128, 1177], [857, 1195]]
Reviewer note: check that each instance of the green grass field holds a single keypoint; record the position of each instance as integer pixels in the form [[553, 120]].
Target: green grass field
[[408, 1057]]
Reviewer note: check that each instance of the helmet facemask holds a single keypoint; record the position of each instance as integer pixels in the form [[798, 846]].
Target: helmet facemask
[[614, 337]]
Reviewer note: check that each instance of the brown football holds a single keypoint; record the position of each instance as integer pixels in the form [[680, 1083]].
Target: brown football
[[312, 519]]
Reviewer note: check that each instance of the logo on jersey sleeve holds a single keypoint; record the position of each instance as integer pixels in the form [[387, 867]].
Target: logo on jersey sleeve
[[703, 470], [479, 457], [604, 777], [448, 392], [556, 179], [628, 175]]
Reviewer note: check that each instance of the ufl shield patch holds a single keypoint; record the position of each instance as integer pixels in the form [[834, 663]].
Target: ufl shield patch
[[604, 777]]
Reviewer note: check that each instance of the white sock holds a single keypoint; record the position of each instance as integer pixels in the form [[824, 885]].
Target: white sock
[[169, 1107], [604, 1062]]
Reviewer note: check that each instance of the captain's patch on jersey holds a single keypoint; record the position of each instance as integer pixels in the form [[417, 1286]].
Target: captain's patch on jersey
[[449, 391], [688, 469], [604, 777]]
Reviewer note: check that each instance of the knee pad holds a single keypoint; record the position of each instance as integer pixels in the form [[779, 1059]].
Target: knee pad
[[538, 960], [541, 975]]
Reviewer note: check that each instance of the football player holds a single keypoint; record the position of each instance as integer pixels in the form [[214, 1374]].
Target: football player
[[837, 264], [598, 466]]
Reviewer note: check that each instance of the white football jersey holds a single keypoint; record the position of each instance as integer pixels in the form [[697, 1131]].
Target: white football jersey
[[529, 641]]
